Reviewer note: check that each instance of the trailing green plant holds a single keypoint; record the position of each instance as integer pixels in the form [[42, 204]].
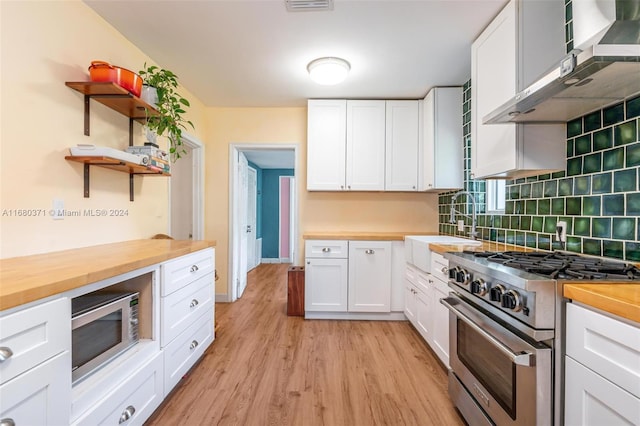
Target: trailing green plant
[[171, 104]]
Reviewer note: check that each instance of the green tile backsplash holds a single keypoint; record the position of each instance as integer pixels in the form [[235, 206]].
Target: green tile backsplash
[[598, 194]]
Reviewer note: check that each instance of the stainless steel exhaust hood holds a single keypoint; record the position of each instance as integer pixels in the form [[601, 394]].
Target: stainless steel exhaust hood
[[604, 69]]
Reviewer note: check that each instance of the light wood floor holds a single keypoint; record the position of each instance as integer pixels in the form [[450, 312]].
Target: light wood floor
[[265, 368]]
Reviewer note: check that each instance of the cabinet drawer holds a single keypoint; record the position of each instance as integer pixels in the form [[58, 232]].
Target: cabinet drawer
[[186, 269], [326, 249], [411, 274], [140, 395], [183, 306], [424, 282], [34, 335], [609, 347], [41, 396], [186, 349], [439, 266]]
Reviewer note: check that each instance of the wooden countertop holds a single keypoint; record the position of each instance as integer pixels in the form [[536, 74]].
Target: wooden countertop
[[485, 246], [28, 278], [618, 299], [362, 236]]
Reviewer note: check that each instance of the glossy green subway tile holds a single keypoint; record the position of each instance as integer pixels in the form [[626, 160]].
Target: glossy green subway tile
[[624, 228], [565, 186], [591, 205], [613, 205], [544, 241], [569, 47], [601, 183], [551, 188], [531, 207], [518, 207], [532, 179], [536, 223], [625, 133], [508, 207], [574, 206], [558, 175], [603, 139], [582, 185], [520, 238], [568, 14], [632, 251], [613, 159], [574, 166], [569, 221], [505, 222], [613, 115], [521, 180], [570, 148], [574, 127], [613, 249], [633, 107], [633, 155], [501, 236], [574, 244], [525, 190], [525, 223], [624, 180], [544, 206], [530, 240], [537, 190], [582, 226], [592, 247], [593, 121], [557, 206], [601, 227], [582, 144], [511, 237], [592, 163], [514, 192], [550, 224], [545, 176], [633, 204], [514, 222]]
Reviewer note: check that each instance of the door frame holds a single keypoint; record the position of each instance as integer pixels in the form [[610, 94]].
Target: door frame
[[286, 257], [197, 158], [234, 150]]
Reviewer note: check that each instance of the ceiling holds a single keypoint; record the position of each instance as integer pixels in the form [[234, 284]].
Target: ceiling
[[254, 53], [271, 158]]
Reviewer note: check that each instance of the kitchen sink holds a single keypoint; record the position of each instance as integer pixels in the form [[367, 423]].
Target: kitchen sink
[[417, 251]]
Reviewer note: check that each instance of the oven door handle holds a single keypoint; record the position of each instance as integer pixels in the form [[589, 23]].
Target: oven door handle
[[523, 358]]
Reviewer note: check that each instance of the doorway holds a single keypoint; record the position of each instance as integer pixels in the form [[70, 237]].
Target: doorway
[[186, 192], [264, 160]]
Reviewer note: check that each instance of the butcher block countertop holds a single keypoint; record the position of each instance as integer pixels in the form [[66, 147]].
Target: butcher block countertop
[[29, 278], [618, 299], [362, 236], [485, 246]]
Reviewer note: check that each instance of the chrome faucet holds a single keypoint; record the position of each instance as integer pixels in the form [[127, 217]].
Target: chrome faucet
[[452, 219]]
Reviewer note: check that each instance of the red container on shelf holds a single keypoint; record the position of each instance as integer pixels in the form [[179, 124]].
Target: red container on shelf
[[104, 71]]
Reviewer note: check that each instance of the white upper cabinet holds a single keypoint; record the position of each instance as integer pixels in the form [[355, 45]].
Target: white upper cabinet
[[365, 145], [442, 166], [524, 41], [402, 138], [326, 144]]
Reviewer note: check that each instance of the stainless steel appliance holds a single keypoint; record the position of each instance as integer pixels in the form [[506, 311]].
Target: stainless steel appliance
[[103, 325], [506, 331]]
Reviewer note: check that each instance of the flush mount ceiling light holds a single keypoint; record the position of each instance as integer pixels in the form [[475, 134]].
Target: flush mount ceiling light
[[328, 71]]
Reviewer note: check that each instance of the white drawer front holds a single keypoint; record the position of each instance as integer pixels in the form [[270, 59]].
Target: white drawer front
[[182, 307], [424, 282], [34, 335], [40, 396], [184, 270], [186, 349], [411, 274], [140, 395], [338, 249], [609, 347], [439, 266]]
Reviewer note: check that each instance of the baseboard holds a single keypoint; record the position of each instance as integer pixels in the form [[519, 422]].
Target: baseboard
[[222, 298], [271, 260], [357, 316], [285, 260]]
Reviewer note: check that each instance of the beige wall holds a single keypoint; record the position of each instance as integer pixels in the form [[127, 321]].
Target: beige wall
[[44, 44], [319, 211]]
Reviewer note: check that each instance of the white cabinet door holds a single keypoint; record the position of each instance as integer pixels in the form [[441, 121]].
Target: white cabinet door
[[369, 276], [402, 129], [424, 315], [410, 302], [442, 164], [440, 343], [365, 145], [591, 400], [326, 144], [41, 396], [326, 284], [398, 267]]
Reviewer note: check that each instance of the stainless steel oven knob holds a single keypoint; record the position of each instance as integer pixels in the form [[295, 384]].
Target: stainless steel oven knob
[[463, 277], [496, 292], [511, 300], [479, 287], [453, 272]]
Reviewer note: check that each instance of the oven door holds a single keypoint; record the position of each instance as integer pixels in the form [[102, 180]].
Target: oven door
[[505, 375]]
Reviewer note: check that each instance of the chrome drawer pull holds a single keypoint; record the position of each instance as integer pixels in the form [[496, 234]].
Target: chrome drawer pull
[[127, 413], [7, 422], [193, 344], [194, 268], [193, 303], [369, 251], [444, 270], [5, 354], [326, 250]]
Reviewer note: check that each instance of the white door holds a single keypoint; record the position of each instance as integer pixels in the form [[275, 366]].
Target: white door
[[243, 167], [252, 260], [365, 145], [182, 196], [369, 276]]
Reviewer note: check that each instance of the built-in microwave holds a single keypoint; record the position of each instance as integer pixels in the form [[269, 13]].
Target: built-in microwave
[[104, 324]]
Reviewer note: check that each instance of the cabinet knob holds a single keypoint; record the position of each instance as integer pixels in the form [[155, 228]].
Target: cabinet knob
[[326, 249], [127, 413], [445, 270], [193, 344], [7, 422], [5, 354], [413, 187], [369, 251], [349, 186], [341, 186], [193, 303], [308, 262], [194, 268]]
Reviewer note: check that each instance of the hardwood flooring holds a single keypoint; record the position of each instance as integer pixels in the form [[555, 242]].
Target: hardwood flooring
[[266, 368]]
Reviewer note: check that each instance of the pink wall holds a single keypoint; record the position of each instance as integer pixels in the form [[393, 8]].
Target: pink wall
[[285, 205]]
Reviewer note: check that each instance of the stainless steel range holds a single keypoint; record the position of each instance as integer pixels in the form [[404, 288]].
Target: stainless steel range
[[505, 333]]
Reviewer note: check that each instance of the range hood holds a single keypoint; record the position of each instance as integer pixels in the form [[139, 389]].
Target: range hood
[[602, 70]]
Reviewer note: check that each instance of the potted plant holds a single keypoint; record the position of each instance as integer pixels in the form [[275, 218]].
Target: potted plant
[[170, 104]]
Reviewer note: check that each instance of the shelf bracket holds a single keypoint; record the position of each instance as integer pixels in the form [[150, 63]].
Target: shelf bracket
[[87, 103], [130, 186], [86, 180], [131, 120]]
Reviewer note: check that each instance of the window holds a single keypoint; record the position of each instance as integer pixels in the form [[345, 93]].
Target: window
[[495, 196]]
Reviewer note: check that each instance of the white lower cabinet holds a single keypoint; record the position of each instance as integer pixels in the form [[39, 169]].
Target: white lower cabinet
[[326, 285], [369, 276], [40, 396]]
